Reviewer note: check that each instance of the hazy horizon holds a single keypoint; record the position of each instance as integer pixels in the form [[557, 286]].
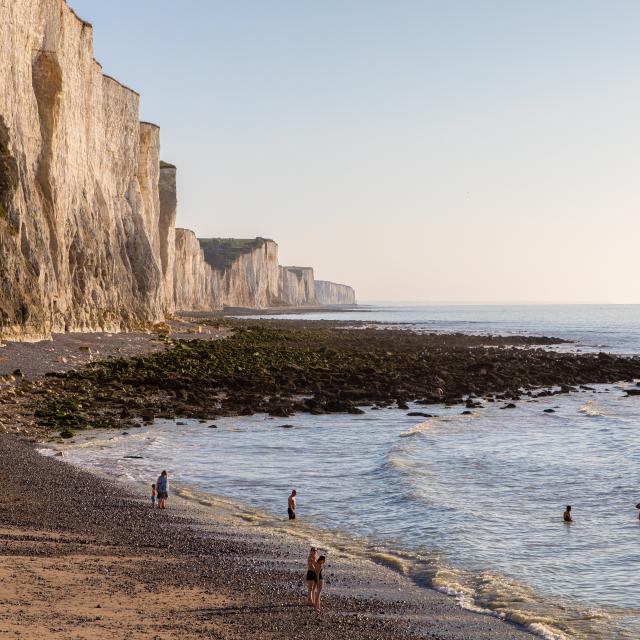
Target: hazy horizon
[[415, 150]]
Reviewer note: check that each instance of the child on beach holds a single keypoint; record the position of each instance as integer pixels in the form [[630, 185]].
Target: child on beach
[[154, 493]]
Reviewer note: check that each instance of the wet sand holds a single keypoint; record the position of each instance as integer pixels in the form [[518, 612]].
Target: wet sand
[[83, 557]]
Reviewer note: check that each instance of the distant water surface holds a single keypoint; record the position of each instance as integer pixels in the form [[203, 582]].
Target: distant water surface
[[613, 328]]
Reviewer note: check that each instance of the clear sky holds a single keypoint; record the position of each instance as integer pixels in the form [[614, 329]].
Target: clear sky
[[450, 150]]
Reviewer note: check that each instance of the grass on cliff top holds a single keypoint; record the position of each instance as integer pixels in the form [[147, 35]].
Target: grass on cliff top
[[220, 253]]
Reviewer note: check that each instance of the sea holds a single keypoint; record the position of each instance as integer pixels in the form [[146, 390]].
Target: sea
[[470, 505]]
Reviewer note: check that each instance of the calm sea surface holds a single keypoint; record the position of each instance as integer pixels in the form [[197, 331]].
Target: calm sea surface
[[471, 505], [613, 328]]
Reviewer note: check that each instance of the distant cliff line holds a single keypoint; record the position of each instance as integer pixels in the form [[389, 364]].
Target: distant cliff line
[[87, 208], [213, 273]]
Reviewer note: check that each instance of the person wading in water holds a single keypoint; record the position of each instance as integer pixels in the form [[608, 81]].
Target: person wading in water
[[291, 505]]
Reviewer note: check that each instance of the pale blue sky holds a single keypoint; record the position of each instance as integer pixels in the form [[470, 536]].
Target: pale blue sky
[[450, 150]]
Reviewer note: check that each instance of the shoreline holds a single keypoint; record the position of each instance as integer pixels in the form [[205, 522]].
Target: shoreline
[[413, 565], [223, 579], [379, 613]]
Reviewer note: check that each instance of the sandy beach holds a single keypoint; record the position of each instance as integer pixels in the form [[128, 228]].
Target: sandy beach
[[86, 558]]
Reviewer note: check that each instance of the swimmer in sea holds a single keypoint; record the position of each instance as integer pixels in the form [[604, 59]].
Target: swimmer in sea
[[567, 514]]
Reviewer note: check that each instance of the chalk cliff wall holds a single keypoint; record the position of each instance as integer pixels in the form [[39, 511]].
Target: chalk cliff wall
[[246, 271], [332, 293], [297, 286], [214, 273], [196, 284], [167, 188], [82, 231]]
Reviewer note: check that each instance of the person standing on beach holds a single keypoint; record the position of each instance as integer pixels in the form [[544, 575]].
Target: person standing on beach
[[154, 495], [312, 576], [291, 505], [319, 582], [162, 486]]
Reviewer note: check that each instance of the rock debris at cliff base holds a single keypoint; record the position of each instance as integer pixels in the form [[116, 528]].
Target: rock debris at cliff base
[[280, 368]]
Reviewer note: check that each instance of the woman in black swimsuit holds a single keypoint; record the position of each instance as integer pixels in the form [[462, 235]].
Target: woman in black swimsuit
[[319, 565], [312, 576]]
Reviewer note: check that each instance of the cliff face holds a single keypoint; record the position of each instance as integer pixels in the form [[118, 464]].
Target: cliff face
[[214, 273], [84, 241], [246, 272], [167, 231], [332, 293], [297, 286], [196, 283]]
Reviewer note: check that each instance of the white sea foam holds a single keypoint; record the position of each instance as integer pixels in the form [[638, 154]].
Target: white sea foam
[[416, 430], [589, 408]]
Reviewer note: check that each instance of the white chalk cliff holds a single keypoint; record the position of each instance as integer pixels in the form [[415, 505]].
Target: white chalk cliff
[[247, 271], [297, 286], [196, 283], [333, 293], [80, 234]]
